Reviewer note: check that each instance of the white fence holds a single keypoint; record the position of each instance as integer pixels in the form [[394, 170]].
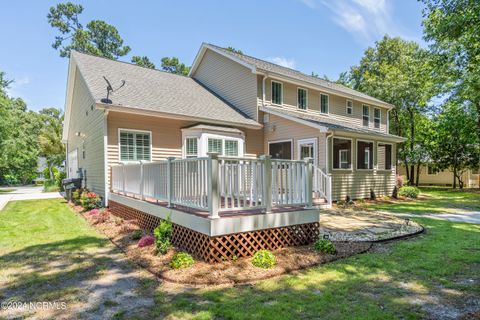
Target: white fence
[[219, 184]]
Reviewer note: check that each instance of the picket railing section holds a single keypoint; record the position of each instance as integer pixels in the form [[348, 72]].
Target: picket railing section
[[216, 184], [322, 184]]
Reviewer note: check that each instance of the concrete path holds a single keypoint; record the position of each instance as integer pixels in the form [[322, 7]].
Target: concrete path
[[26, 193], [467, 217]]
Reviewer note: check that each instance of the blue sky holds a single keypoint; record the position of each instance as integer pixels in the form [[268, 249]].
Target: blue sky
[[323, 36]]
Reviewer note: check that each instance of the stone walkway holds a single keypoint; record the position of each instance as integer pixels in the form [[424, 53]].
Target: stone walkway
[[352, 225], [26, 193]]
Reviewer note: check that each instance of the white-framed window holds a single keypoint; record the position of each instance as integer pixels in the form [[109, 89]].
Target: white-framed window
[[377, 117], [231, 148], [277, 92], [135, 145], [191, 147], [323, 103], [342, 153], [349, 107], [344, 159], [364, 155], [215, 145], [366, 115], [302, 98]]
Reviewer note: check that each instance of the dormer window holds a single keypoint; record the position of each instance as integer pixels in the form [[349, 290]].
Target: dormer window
[[302, 98], [277, 94]]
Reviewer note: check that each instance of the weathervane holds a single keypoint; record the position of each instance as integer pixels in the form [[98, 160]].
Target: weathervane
[[110, 90]]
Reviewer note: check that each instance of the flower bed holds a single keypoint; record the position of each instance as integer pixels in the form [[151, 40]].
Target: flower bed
[[121, 233]]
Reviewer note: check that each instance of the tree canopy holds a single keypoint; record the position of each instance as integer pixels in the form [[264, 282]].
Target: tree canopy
[[143, 62], [173, 65], [98, 38]]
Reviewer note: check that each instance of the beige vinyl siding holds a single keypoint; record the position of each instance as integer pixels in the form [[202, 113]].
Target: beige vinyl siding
[[230, 80], [92, 127], [358, 183], [337, 105], [279, 129], [166, 136]]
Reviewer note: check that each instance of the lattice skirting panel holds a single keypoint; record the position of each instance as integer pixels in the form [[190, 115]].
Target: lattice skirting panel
[[219, 248], [144, 220]]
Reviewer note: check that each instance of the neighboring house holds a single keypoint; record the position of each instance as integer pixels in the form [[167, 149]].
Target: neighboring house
[[431, 177], [237, 106]]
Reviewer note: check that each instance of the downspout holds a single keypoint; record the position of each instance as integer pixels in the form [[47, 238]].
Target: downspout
[[327, 156], [263, 89]]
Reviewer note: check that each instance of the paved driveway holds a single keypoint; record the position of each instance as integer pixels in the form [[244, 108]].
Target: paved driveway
[[26, 193]]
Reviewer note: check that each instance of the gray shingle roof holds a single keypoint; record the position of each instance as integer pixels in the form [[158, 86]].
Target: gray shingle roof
[[329, 123], [272, 67], [154, 90]]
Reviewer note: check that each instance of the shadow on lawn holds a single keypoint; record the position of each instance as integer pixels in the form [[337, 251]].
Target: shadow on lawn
[[432, 276], [93, 278]]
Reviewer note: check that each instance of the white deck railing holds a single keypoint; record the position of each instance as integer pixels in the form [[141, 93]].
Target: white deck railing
[[322, 184], [216, 184]]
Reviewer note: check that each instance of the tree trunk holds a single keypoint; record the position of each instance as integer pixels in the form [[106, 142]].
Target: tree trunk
[[455, 177], [478, 118], [411, 181], [50, 171], [418, 175]]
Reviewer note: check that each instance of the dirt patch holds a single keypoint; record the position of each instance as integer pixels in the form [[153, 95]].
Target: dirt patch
[[201, 274]]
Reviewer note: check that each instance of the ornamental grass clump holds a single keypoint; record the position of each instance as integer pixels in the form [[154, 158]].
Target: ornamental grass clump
[[163, 234], [181, 260], [324, 246], [146, 241], [409, 192], [264, 259]]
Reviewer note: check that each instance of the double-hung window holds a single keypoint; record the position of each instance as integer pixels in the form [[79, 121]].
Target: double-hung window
[[349, 107], [231, 148], [135, 145], [302, 98], [277, 94], [191, 147], [215, 145], [377, 117], [364, 155], [323, 103], [366, 115]]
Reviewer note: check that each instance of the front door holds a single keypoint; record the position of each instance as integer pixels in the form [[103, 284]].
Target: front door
[[307, 148]]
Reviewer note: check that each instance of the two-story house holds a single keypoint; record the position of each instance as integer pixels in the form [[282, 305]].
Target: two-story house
[[240, 108]]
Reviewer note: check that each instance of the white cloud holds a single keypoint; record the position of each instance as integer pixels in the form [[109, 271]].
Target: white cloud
[[13, 89], [366, 20], [285, 62]]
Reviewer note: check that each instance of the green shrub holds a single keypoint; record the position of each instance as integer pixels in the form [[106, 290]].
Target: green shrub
[[59, 176], [324, 246], [90, 200], [76, 196], [50, 186], [409, 192], [264, 259], [162, 234], [181, 260], [136, 235]]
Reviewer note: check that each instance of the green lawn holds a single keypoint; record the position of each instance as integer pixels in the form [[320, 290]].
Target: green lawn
[[42, 249], [6, 190], [435, 200], [433, 273]]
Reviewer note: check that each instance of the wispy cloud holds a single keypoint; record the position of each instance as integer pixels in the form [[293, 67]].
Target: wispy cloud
[[16, 85], [285, 62], [366, 20]]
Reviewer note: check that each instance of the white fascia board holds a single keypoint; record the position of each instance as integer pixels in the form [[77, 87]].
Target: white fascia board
[[68, 97]]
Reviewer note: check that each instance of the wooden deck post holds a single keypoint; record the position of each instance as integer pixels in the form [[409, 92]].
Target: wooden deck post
[[267, 183], [309, 184], [213, 185], [169, 181]]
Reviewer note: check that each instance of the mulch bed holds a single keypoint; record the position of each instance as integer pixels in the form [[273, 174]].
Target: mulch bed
[[119, 231]]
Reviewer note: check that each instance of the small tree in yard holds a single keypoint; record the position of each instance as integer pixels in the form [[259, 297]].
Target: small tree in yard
[[456, 146]]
